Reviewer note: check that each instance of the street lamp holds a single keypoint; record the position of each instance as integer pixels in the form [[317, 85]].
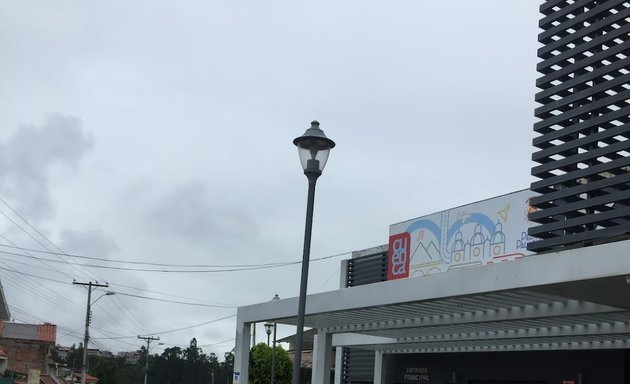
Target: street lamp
[[268, 328], [108, 293], [313, 148], [273, 348]]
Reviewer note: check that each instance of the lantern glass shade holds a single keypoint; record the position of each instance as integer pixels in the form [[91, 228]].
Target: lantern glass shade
[[314, 147], [268, 328], [313, 153]]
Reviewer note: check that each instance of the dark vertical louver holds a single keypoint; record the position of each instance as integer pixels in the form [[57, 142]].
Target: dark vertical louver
[[358, 364], [583, 149], [367, 270]]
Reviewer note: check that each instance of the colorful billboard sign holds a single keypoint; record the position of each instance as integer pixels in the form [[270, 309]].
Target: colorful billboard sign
[[480, 233]]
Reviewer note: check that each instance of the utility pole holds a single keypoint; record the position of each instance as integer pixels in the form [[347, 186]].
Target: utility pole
[[88, 316], [148, 339]]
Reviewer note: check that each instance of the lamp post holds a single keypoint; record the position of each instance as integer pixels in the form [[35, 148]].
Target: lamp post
[[313, 148], [88, 317], [273, 347]]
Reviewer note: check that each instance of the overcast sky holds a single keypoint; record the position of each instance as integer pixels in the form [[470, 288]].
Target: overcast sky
[[161, 132]]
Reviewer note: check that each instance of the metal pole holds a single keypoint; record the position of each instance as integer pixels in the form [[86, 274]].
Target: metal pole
[[273, 356], [146, 362], [86, 336], [268, 335], [312, 173], [149, 339]]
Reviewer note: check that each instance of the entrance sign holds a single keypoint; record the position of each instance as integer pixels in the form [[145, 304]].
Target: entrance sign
[[481, 233]]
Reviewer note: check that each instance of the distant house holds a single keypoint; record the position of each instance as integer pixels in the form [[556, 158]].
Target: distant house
[[27, 346], [63, 352], [130, 357]]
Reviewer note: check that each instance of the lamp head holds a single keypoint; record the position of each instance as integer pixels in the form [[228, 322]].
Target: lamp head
[[268, 328], [313, 148]]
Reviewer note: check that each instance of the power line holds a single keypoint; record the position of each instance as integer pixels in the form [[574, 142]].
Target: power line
[[46, 296], [164, 293], [176, 302], [227, 269], [279, 264], [15, 212], [124, 294], [25, 251], [73, 263], [130, 315], [172, 330], [32, 237]]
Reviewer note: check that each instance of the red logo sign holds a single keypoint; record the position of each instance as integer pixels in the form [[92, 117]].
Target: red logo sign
[[398, 263]]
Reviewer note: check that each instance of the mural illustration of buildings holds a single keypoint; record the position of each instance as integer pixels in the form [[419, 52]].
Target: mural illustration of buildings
[[477, 234]]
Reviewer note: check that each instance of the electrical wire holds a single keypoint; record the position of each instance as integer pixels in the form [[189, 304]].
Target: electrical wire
[[15, 212], [122, 293], [72, 262], [112, 284], [221, 269], [169, 264], [178, 329], [130, 315], [176, 302]]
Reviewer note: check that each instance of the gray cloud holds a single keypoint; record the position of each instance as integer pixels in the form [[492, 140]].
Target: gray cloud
[[30, 155], [189, 212], [96, 243]]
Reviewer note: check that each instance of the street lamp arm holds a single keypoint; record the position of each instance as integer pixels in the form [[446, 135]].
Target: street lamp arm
[[108, 293]]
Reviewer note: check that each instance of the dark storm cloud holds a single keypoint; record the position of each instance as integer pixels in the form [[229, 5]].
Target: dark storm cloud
[[31, 153]]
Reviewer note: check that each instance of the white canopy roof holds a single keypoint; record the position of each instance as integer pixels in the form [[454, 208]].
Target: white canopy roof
[[574, 299]]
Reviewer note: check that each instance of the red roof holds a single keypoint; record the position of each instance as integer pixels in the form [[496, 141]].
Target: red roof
[[39, 332], [46, 380], [88, 378], [47, 332]]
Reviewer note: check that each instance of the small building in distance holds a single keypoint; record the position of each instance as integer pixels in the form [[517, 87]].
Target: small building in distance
[[130, 357]]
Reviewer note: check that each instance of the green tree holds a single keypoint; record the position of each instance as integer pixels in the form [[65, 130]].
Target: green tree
[[260, 358], [74, 358], [109, 370], [227, 369], [169, 367]]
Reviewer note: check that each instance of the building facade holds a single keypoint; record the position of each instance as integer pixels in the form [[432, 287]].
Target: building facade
[[527, 288], [28, 346]]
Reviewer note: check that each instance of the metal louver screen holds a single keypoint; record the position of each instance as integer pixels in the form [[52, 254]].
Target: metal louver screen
[[358, 365], [583, 151], [367, 270]]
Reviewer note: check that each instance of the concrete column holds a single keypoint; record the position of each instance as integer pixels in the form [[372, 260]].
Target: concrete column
[[378, 367], [241, 350], [322, 358], [343, 276], [338, 365], [314, 362]]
